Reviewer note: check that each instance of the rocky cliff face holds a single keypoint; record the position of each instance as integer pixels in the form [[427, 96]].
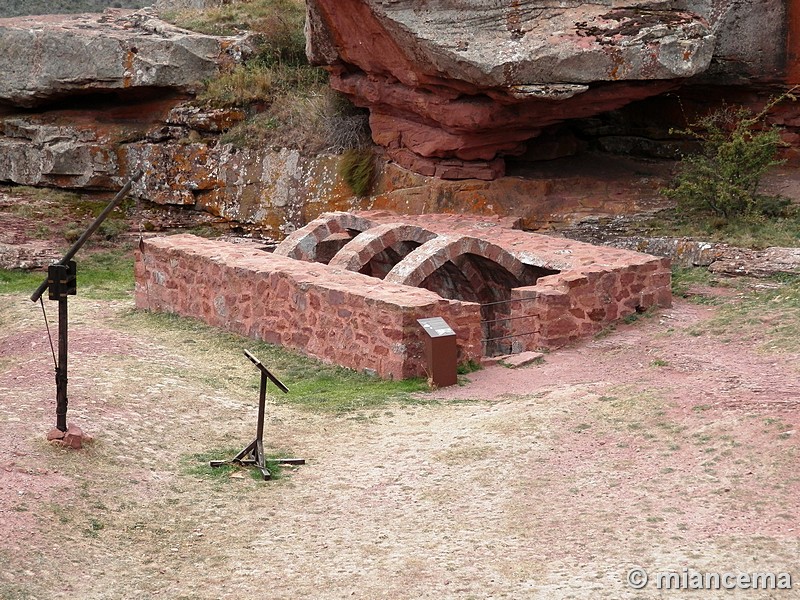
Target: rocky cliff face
[[43, 59], [454, 93], [452, 87]]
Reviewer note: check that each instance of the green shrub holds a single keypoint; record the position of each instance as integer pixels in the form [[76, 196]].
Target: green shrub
[[357, 168], [737, 148]]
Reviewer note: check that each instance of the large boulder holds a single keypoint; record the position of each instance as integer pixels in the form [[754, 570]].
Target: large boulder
[[45, 58], [452, 86]]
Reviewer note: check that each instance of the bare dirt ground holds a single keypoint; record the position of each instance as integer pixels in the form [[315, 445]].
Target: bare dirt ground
[[670, 443]]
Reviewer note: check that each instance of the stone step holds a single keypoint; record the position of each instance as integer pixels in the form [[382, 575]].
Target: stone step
[[523, 359]]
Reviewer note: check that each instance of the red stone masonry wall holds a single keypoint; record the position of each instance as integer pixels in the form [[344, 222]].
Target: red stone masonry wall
[[576, 304], [366, 323], [596, 286], [335, 315]]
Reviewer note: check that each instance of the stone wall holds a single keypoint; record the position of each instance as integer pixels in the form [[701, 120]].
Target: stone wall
[[594, 287], [566, 307], [335, 315], [502, 290]]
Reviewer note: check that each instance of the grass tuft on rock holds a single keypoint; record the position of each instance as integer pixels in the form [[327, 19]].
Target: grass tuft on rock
[[357, 168], [288, 101]]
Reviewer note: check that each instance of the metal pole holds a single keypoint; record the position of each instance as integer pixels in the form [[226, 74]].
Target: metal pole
[[61, 370], [262, 400], [86, 234]]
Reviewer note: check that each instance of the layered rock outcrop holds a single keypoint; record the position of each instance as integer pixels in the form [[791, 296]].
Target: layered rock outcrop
[[453, 86], [45, 58], [450, 93]]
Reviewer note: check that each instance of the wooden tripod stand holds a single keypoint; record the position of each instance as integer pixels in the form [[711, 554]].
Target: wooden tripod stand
[[253, 454]]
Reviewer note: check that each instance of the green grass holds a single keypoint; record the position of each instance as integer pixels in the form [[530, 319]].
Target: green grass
[[19, 282], [279, 23], [197, 465], [751, 231], [59, 215], [684, 278], [312, 384], [279, 65], [636, 316], [287, 101], [772, 309], [357, 168], [243, 85], [469, 366], [106, 275]]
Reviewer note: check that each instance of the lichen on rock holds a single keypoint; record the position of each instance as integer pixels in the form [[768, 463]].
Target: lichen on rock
[[47, 58]]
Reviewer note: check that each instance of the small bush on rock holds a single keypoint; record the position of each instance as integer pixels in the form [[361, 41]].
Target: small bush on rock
[[288, 102], [722, 180]]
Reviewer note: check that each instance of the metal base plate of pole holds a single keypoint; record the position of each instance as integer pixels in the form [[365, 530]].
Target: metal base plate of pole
[[253, 454]]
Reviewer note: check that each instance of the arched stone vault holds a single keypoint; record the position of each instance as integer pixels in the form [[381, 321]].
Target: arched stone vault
[[303, 243], [430, 256], [504, 290], [363, 248]]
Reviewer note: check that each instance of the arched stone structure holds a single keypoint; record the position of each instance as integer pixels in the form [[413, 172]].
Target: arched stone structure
[[429, 257], [473, 270], [303, 243], [538, 292], [391, 238]]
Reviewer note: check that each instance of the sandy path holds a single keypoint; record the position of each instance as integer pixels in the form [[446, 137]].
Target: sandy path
[[544, 482]]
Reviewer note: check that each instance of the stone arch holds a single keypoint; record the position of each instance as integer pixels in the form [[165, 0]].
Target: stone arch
[[432, 255], [390, 242], [472, 270], [303, 243]]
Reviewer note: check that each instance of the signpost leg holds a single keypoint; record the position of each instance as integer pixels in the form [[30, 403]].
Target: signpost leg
[[61, 370]]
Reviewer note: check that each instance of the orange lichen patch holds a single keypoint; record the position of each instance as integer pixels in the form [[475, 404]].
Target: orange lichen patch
[[617, 62], [173, 172], [127, 78]]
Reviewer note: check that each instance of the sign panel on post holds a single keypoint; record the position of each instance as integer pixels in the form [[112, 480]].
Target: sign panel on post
[[441, 352]]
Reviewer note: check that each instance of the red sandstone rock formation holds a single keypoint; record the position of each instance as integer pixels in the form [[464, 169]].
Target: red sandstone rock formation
[[454, 86]]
